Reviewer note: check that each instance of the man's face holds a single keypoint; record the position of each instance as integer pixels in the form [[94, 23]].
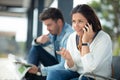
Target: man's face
[[52, 26]]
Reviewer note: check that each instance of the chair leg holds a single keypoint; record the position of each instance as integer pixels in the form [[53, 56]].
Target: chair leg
[[95, 75]]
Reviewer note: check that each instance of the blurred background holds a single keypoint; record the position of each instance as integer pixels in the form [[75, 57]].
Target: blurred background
[[19, 23]]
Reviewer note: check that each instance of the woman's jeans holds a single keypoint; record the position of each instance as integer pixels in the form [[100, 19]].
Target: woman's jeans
[[65, 75]]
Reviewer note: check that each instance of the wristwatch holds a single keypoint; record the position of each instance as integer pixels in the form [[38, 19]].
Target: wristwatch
[[85, 44], [35, 40]]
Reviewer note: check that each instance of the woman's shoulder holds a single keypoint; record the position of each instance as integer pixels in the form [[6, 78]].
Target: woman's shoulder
[[73, 34], [102, 35]]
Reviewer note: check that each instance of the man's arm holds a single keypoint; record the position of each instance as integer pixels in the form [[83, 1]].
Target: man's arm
[[43, 40]]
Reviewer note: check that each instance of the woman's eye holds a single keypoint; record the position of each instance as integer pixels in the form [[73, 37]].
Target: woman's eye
[[73, 21], [80, 21]]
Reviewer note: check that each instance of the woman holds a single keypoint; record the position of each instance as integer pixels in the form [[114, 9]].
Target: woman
[[89, 48]]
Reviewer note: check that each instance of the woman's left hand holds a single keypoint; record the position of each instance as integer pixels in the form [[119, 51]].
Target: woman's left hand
[[88, 33]]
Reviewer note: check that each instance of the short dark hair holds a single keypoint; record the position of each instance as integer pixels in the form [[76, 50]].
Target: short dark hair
[[89, 14], [51, 13]]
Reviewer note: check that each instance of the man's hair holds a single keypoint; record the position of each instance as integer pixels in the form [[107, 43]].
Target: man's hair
[[89, 14], [51, 13]]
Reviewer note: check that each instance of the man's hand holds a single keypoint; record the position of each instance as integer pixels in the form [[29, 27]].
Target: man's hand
[[33, 69], [42, 39]]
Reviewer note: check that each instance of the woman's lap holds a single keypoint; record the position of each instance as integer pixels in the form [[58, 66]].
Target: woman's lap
[[64, 75], [61, 75]]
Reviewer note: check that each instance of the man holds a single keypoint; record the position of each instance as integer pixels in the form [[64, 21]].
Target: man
[[59, 32]]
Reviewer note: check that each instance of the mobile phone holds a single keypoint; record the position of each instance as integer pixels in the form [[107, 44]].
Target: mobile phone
[[85, 27]]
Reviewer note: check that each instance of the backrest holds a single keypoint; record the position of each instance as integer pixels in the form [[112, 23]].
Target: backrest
[[116, 67]]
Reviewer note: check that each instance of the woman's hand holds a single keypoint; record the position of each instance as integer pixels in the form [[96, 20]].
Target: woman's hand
[[88, 33], [64, 53], [87, 37]]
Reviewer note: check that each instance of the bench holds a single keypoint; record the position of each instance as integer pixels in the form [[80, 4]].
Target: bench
[[116, 70]]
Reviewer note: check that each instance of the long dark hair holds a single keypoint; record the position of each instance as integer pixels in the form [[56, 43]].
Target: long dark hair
[[89, 14]]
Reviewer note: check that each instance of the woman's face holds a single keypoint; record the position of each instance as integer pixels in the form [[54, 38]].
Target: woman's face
[[78, 23]]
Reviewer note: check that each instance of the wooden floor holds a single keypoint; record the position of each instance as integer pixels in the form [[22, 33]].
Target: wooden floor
[[7, 70]]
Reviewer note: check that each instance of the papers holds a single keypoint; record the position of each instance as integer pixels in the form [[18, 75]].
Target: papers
[[21, 70], [21, 65]]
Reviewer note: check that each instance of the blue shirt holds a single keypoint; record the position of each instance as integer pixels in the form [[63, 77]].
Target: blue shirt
[[59, 41]]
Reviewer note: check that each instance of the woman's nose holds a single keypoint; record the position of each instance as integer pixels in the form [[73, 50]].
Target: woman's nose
[[76, 24]]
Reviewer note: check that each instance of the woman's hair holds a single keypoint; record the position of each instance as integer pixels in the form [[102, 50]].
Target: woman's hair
[[89, 14], [51, 13]]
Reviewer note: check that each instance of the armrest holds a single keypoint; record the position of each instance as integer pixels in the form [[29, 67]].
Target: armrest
[[95, 75]]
